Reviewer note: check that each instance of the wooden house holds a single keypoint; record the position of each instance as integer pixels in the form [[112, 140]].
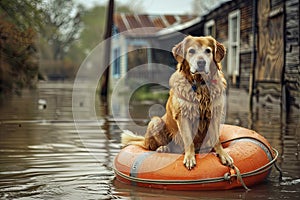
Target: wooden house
[[135, 44], [262, 41]]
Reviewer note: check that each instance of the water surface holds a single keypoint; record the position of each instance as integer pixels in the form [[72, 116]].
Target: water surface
[[42, 155]]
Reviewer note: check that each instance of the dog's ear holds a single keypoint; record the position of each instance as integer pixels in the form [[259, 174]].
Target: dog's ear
[[220, 52], [178, 52]]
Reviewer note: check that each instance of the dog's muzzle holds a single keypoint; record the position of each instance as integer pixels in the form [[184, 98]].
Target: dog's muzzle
[[201, 65]]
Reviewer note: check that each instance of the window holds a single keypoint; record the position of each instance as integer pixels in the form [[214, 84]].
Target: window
[[210, 28], [116, 64], [234, 43], [137, 57]]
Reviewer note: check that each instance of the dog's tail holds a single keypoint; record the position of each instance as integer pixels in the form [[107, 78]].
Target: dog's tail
[[129, 137]]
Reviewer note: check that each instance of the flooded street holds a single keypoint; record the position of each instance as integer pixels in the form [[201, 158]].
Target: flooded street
[[42, 156]]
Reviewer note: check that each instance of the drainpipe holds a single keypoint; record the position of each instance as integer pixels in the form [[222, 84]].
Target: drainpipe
[[252, 83], [108, 34]]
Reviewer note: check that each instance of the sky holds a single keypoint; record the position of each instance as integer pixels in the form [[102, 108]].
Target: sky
[[150, 6]]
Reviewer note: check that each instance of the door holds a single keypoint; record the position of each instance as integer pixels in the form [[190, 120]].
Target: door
[[270, 58]]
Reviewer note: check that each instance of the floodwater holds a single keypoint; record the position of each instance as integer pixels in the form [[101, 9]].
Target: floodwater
[[43, 156]]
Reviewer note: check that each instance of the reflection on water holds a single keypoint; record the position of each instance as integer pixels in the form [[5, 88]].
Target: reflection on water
[[43, 156]]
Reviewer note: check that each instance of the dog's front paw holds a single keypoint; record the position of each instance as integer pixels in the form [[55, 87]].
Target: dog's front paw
[[163, 149], [189, 160], [226, 159]]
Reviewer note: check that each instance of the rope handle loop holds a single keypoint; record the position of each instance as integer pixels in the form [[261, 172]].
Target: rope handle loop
[[239, 177], [235, 172]]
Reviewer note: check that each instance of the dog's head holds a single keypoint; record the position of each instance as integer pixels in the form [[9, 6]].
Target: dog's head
[[199, 55]]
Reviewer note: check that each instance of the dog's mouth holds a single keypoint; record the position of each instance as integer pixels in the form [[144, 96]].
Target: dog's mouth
[[203, 72], [200, 67]]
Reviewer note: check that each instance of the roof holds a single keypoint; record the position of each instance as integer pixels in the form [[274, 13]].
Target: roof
[[133, 24]]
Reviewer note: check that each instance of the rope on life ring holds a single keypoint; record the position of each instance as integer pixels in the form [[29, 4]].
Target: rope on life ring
[[239, 177], [255, 172]]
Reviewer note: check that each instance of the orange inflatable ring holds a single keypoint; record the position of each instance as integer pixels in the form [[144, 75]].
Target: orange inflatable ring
[[252, 154]]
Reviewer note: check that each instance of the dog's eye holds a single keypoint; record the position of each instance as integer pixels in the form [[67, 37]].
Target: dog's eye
[[192, 51], [207, 51]]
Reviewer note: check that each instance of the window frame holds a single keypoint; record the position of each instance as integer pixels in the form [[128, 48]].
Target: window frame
[[116, 69], [210, 24], [232, 44]]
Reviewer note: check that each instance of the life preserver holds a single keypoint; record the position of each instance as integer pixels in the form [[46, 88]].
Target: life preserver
[[251, 152]]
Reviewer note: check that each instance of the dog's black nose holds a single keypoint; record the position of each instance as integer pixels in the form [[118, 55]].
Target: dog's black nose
[[201, 64]]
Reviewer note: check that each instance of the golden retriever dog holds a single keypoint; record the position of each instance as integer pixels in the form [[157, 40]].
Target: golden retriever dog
[[195, 105]]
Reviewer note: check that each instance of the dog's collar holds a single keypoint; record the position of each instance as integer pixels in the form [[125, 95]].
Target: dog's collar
[[194, 85]]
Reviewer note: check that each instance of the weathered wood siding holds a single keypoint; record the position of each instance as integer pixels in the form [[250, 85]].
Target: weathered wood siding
[[292, 68], [270, 59], [277, 77], [246, 42], [270, 51]]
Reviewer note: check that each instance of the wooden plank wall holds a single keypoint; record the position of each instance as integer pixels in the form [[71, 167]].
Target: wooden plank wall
[[270, 51], [270, 42], [246, 36], [292, 68]]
